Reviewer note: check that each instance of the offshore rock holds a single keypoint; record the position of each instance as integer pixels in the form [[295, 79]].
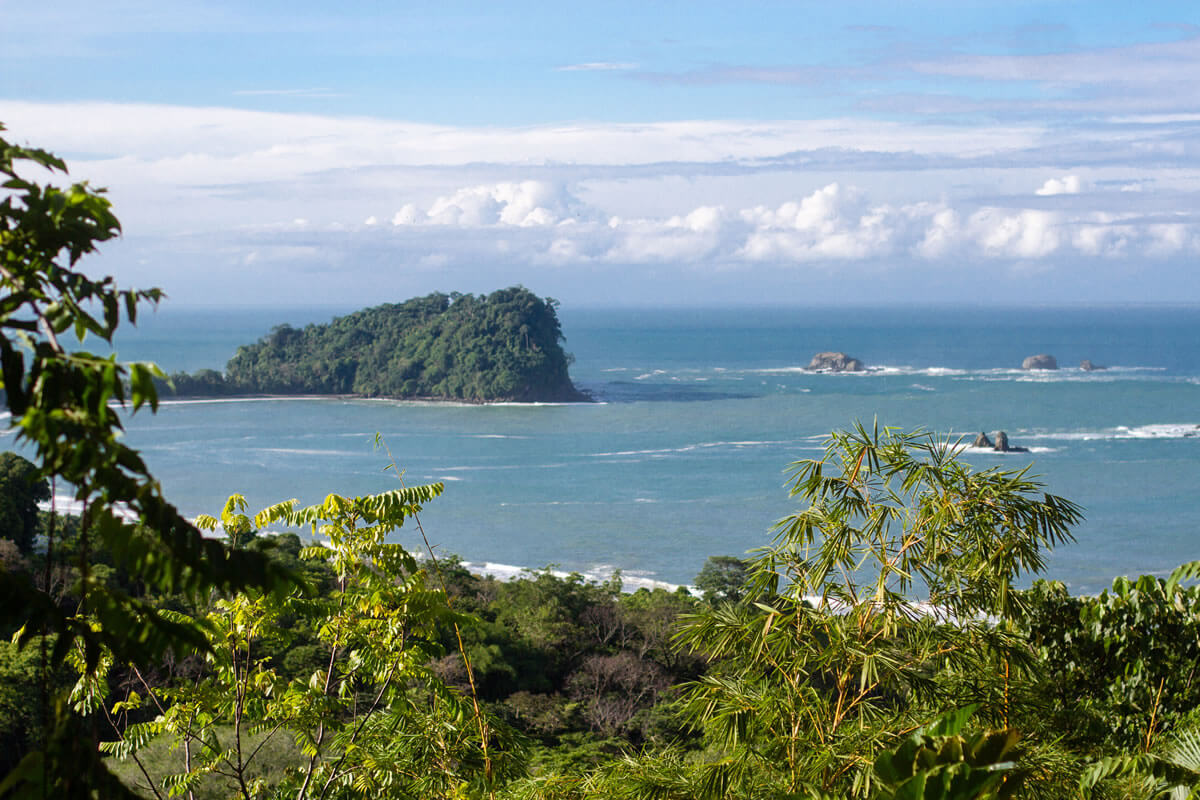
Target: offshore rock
[[1088, 366], [835, 362], [1002, 445], [982, 440], [1040, 361]]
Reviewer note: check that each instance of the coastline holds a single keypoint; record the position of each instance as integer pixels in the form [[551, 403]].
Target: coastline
[[182, 399]]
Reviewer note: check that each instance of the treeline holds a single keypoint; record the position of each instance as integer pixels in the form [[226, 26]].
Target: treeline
[[505, 346]]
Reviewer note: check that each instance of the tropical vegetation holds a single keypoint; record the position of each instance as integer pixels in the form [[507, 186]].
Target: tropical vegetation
[[503, 346]]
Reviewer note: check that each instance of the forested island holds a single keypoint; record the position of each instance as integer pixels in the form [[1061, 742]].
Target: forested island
[[505, 346]]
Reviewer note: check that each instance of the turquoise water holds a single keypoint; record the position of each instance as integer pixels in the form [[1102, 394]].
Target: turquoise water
[[700, 413]]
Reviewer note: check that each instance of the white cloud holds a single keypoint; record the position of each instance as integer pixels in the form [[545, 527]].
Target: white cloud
[[941, 234], [1026, 234], [208, 146], [585, 200], [833, 224], [408, 215], [1171, 238], [524, 204], [1068, 184], [705, 219], [1104, 239]]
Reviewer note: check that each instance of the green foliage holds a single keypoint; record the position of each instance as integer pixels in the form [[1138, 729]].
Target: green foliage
[[372, 717], [157, 760], [896, 514], [21, 487], [722, 578], [939, 762], [829, 658], [66, 406], [1171, 773], [1122, 667], [505, 346], [21, 710]]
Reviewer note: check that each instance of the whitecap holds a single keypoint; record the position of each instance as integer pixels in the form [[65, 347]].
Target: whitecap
[[601, 572], [480, 467], [1161, 431], [298, 451], [67, 504], [687, 448], [1165, 430]]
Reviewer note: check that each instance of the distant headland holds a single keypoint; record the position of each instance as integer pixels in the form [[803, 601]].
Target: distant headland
[[502, 347]]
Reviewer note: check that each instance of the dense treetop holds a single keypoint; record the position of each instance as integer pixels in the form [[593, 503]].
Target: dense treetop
[[502, 346]]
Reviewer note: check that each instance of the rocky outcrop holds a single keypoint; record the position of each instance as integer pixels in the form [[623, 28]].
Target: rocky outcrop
[[1088, 366], [1002, 445], [835, 362], [1040, 361], [982, 440]]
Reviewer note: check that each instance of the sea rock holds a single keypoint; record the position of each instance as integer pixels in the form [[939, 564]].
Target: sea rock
[[1040, 361], [1088, 366], [1002, 445], [835, 362], [982, 440]]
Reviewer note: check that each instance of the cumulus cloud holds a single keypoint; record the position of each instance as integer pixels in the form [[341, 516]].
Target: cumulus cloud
[[833, 224], [1068, 184], [942, 231], [1025, 234], [523, 204]]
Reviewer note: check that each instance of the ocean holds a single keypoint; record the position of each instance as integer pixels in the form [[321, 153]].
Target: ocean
[[699, 414]]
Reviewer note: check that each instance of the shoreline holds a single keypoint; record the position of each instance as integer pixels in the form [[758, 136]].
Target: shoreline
[[252, 396], [69, 506]]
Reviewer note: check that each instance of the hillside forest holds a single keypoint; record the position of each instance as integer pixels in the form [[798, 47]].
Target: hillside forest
[[504, 346]]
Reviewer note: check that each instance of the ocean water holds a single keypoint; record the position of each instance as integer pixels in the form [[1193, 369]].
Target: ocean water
[[699, 414]]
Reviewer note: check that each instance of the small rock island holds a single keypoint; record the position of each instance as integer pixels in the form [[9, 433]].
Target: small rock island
[[1040, 361], [834, 362], [1001, 444], [505, 346]]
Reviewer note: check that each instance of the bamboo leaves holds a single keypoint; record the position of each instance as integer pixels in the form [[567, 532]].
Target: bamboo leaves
[[891, 575]]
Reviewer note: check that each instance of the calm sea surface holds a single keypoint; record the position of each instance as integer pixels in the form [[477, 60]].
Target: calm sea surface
[[701, 413]]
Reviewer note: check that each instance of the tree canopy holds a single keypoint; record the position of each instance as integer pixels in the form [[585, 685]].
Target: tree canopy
[[502, 346], [64, 404], [21, 487]]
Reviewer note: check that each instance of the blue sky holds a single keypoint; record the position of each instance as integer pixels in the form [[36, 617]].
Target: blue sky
[[628, 154]]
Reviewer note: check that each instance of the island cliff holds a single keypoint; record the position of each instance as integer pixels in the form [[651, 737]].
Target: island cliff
[[505, 346]]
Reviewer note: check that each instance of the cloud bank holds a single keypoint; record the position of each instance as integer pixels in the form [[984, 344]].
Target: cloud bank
[[375, 206]]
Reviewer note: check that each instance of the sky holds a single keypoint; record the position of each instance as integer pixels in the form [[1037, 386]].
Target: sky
[[627, 154]]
